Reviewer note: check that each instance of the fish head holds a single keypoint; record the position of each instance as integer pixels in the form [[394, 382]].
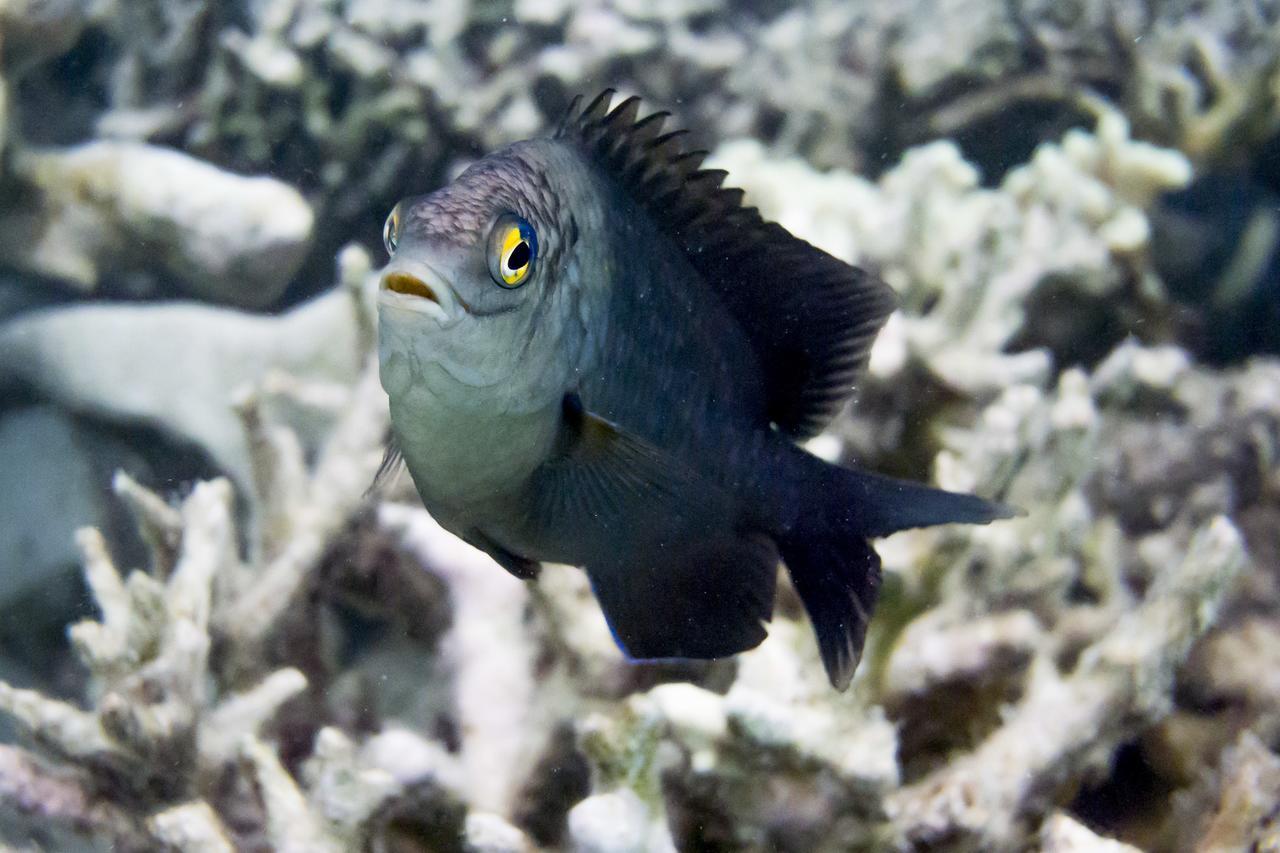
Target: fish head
[[481, 296]]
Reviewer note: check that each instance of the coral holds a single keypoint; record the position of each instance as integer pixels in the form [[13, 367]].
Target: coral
[[167, 720], [1063, 726], [185, 362], [135, 213], [360, 101], [1205, 82], [154, 730], [492, 661], [1247, 810], [615, 823], [306, 665], [1062, 834]]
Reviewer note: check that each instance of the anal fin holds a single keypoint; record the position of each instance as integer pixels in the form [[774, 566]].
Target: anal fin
[[705, 598]]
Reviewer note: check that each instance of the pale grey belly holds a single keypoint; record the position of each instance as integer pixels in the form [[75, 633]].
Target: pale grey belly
[[466, 463]]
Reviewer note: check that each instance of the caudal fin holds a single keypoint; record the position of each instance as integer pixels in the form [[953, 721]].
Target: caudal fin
[[877, 506], [833, 567], [837, 576]]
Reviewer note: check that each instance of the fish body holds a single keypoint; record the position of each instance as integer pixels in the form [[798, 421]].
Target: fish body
[[596, 355]]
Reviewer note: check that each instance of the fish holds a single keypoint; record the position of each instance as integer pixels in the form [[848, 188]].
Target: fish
[[596, 354]]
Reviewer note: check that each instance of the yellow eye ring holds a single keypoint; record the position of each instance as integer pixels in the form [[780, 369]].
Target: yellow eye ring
[[391, 231], [513, 249]]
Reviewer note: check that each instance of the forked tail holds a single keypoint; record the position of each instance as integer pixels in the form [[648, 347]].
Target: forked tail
[[834, 568]]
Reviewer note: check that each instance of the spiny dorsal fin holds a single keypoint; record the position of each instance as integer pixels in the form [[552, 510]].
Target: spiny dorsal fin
[[810, 316]]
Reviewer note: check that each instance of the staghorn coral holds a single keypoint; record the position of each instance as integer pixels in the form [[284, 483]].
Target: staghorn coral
[[352, 100], [1063, 726], [167, 720], [1033, 360], [154, 730]]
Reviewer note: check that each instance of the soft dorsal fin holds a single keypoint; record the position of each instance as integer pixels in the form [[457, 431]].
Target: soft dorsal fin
[[810, 316]]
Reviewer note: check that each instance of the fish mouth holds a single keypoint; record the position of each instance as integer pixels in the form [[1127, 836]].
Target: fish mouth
[[419, 290], [409, 285]]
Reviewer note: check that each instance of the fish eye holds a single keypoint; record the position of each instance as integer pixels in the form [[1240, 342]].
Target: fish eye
[[513, 248], [391, 231]]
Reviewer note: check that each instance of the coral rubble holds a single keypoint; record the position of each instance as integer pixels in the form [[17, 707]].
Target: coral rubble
[[301, 663]]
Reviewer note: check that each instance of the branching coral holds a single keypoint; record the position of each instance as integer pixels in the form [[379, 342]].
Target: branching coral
[[151, 738], [1065, 726], [168, 719], [1007, 666]]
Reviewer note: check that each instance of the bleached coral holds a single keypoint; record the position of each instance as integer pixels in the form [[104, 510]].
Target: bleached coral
[[123, 210], [1065, 725], [493, 662], [167, 718], [151, 735], [1006, 664], [186, 362], [1206, 82]]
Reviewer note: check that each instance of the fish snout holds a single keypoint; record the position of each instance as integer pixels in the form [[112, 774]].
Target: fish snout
[[409, 284], [416, 288]]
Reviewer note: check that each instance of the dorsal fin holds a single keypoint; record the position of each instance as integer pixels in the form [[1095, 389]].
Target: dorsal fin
[[810, 316]]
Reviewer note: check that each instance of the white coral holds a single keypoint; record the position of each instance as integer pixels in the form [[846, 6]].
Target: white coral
[[164, 723]]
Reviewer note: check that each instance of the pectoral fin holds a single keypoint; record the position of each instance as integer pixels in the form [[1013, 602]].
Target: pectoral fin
[[389, 469], [675, 576], [604, 477]]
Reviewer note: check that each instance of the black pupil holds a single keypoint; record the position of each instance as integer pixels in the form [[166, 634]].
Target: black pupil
[[519, 256]]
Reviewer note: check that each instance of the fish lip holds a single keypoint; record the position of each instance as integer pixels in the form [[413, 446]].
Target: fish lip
[[398, 289]]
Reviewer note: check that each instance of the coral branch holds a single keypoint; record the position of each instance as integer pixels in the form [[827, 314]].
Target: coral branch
[[342, 475], [1120, 684], [291, 825], [244, 713], [159, 524], [345, 794], [191, 828], [61, 798], [55, 725]]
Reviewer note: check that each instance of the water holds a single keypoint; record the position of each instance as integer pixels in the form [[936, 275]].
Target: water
[[1076, 207]]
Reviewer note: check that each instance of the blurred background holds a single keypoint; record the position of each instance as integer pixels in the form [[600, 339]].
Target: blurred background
[[1077, 203]]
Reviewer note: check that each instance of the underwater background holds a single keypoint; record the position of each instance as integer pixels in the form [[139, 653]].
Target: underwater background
[[1078, 204]]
